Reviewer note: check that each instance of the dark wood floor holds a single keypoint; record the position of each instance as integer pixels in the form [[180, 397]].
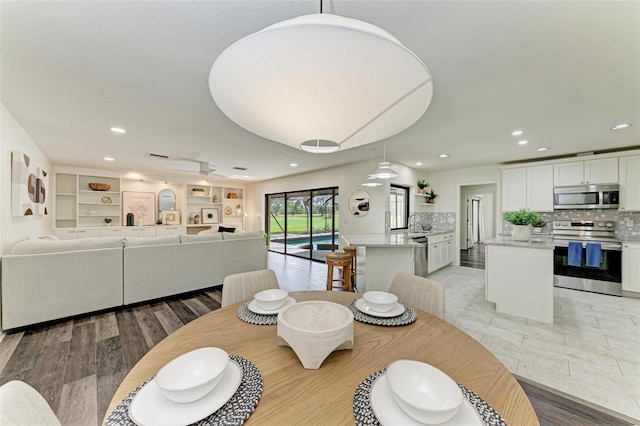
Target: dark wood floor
[[77, 364], [473, 257]]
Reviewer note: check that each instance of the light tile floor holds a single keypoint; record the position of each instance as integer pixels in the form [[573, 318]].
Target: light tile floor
[[592, 351]]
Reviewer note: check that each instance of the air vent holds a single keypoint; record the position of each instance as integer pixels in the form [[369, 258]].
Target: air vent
[[239, 168], [164, 157]]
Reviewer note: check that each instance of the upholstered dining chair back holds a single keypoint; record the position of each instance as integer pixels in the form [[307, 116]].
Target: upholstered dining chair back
[[419, 292], [244, 285], [20, 404]]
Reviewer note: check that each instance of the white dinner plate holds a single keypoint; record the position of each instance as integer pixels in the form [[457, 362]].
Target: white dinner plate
[[151, 408], [389, 412], [361, 305], [256, 309]]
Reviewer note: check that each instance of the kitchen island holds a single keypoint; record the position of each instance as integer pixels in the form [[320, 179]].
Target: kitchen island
[[519, 277], [385, 256]]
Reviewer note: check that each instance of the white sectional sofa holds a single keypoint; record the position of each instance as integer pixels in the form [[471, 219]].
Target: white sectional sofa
[[45, 280]]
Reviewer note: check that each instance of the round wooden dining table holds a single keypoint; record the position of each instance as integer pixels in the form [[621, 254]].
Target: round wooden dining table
[[293, 395]]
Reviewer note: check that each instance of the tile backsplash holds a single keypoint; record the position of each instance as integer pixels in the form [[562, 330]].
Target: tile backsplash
[[627, 223], [440, 222]]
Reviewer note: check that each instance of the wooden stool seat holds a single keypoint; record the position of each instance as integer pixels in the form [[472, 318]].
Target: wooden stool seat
[[353, 251], [343, 261]]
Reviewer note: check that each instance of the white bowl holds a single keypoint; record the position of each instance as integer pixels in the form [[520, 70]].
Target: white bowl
[[271, 299], [380, 301], [424, 392], [193, 375]]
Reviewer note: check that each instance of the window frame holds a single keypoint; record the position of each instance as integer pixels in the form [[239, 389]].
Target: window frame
[[394, 211]]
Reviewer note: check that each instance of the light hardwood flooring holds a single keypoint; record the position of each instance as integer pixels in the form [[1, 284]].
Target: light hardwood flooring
[[77, 364]]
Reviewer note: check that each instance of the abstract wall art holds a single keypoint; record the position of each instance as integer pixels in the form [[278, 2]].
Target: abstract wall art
[[29, 186]]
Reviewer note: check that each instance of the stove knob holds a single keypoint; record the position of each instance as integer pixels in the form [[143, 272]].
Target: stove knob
[[601, 225], [609, 225], [557, 224]]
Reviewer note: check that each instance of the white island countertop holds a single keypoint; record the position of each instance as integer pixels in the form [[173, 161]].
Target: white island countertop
[[544, 242], [380, 240]]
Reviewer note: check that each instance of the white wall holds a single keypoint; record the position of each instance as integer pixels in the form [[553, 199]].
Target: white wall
[[348, 179], [14, 229]]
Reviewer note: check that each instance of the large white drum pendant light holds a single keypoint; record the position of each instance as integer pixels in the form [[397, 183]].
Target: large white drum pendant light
[[321, 77]]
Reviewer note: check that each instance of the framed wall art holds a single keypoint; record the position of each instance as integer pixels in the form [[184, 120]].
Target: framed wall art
[[141, 204], [171, 217], [359, 203], [210, 215], [29, 186]]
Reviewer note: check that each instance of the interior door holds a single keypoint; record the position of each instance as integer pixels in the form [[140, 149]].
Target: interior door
[[469, 227]]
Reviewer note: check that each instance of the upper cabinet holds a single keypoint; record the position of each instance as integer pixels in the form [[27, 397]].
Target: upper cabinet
[[528, 187], [630, 183], [603, 170]]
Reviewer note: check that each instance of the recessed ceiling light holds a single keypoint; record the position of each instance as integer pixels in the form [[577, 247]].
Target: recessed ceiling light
[[108, 159], [523, 142], [294, 164], [444, 155], [621, 126], [419, 163], [516, 132], [544, 148], [118, 130]]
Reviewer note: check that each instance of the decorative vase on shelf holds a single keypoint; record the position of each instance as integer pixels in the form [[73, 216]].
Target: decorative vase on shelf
[[521, 233], [421, 191]]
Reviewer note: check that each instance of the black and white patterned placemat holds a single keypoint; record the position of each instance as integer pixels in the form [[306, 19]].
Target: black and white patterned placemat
[[234, 412], [245, 314], [407, 317], [364, 415]]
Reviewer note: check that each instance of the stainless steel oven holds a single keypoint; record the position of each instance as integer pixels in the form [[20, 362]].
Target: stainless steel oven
[[576, 265]]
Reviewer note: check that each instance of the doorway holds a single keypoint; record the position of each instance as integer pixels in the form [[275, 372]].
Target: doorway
[[478, 211]]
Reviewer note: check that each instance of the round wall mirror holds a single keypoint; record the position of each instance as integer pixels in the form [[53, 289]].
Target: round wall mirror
[[166, 200]]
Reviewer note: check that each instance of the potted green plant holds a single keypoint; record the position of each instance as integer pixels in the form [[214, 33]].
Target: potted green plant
[[422, 184], [538, 224], [522, 221], [108, 220], [431, 196]]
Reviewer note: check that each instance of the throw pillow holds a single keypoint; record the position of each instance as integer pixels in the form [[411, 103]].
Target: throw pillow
[[225, 229]]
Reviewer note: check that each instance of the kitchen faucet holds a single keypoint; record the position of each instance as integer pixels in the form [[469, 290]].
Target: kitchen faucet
[[414, 221]]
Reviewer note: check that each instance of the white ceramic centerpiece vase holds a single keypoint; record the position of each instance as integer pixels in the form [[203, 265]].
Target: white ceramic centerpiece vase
[[521, 233]]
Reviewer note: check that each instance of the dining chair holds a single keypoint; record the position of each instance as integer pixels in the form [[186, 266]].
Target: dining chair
[[420, 292], [244, 285], [20, 404]]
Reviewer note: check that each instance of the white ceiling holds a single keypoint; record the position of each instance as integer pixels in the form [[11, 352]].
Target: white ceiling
[[563, 71]]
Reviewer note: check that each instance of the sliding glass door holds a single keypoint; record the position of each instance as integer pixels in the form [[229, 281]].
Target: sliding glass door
[[303, 223]]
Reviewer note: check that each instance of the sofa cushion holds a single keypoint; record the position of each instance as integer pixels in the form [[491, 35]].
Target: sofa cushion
[[137, 242], [213, 230], [242, 235], [200, 237], [49, 246]]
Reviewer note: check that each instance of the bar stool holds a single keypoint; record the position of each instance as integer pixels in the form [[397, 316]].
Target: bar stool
[[353, 251], [339, 260]]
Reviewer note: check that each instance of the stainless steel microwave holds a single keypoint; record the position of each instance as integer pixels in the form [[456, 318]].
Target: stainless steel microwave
[[586, 197]]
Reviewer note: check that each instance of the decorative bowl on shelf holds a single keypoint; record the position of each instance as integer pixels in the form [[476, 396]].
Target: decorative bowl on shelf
[[99, 186]]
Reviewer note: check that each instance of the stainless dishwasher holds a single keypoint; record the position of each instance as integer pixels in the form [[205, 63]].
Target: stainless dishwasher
[[420, 264]]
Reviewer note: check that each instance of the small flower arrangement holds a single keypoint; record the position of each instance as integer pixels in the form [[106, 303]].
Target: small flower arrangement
[[522, 217], [107, 220]]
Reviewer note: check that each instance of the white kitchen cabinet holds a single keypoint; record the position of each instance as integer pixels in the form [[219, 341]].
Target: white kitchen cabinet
[[66, 234], [631, 267], [630, 183], [170, 230], [527, 187], [88, 233], [514, 189], [109, 232], [440, 251], [603, 170], [138, 231], [540, 188]]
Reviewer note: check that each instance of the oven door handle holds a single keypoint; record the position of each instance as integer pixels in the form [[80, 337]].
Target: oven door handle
[[604, 246]]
